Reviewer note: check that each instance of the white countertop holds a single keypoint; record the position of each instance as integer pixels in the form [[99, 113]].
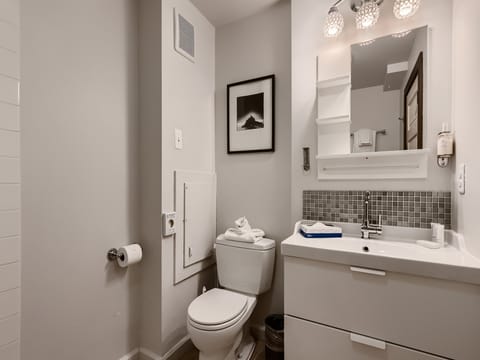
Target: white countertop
[[452, 262]]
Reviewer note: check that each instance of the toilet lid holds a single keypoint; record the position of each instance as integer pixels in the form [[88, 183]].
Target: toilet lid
[[216, 306]]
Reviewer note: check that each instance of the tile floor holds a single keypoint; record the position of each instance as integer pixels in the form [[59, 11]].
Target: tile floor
[[259, 353]]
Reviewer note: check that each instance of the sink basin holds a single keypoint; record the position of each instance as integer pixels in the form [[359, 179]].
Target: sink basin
[[392, 252]]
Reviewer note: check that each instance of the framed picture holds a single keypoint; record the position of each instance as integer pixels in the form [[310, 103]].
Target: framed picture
[[251, 115]]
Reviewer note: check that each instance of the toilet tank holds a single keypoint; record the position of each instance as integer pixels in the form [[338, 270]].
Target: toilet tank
[[245, 267]]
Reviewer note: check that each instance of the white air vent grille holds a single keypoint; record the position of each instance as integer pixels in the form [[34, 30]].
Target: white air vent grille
[[184, 37]]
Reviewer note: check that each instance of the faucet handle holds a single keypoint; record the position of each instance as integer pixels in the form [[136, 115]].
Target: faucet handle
[[366, 196]]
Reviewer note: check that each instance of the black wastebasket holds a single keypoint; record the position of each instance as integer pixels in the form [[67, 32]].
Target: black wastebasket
[[274, 348]]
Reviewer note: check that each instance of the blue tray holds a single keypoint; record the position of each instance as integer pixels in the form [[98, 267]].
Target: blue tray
[[316, 236]]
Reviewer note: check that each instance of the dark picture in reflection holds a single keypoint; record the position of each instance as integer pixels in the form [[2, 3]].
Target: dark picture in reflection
[[250, 112]]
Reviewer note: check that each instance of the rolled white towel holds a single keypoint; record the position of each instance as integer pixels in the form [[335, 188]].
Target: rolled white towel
[[242, 224]]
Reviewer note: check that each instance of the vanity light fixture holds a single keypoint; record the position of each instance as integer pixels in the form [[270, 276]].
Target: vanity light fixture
[[405, 8], [367, 14]]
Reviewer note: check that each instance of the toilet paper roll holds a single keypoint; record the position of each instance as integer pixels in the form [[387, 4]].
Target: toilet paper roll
[[129, 255]]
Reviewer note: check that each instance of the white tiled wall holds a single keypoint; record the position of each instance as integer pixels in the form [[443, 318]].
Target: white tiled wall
[[9, 181]]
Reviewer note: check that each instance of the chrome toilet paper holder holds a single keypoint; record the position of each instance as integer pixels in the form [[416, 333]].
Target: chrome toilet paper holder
[[113, 255]]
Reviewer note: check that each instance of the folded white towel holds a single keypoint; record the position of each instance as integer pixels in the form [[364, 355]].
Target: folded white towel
[[320, 228], [243, 232], [364, 140], [250, 237], [365, 137]]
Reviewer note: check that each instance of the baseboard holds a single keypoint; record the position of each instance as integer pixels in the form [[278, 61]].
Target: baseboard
[[258, 332], [132, 355], [146, 354]]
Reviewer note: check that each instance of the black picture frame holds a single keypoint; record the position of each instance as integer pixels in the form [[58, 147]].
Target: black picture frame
[[267, 114]]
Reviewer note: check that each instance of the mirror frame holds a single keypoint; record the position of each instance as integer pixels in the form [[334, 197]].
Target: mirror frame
[[416, 72]]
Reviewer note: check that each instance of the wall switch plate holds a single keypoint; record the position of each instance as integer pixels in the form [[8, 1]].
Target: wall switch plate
[[178, 139], [169, 222], [461, 179]]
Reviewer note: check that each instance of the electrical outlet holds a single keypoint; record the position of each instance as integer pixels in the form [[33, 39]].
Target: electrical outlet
[[178, 139], [169, 223], [461, 179]]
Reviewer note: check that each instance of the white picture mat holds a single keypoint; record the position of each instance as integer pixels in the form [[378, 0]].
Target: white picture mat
[[256, 139]]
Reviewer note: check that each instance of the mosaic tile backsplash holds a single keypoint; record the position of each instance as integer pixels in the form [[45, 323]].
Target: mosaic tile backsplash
[[398, 208]]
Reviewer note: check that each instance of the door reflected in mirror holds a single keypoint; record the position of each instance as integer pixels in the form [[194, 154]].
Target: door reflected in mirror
[[387, 98]]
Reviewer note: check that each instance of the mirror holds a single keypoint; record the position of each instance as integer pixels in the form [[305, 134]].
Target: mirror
[[387, 94]]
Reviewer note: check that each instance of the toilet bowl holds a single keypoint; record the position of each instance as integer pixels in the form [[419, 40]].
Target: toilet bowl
[[215, 323], [217, 320]]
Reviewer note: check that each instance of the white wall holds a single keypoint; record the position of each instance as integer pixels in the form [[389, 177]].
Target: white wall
[[79, 178], [150, 71], [187, 97], [9, 180], [466, 58], [375, 109], [308, 42], [256, 185]]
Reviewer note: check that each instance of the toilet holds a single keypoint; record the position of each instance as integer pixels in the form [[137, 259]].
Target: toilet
[[217, 318]]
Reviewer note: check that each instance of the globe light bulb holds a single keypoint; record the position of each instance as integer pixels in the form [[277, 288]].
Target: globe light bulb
[[334, 23], [405, 8], [368, 14]]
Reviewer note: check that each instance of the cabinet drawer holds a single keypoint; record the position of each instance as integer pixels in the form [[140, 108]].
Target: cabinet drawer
[[305, 340], [434, 316]]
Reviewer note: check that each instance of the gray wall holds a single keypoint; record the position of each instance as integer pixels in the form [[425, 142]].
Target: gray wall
[[79, 175], [256, 185]]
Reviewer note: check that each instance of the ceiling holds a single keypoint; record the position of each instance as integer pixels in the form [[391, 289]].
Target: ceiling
[[222, 12]]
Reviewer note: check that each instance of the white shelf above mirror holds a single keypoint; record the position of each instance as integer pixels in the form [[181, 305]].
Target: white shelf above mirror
[[405, 164]]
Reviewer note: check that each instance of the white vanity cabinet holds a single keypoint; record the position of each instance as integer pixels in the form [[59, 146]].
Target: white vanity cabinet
[[343, 312], [308, 340]]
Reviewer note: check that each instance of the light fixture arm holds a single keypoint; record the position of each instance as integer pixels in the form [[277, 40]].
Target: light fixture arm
[[338, 2], [355, 5]]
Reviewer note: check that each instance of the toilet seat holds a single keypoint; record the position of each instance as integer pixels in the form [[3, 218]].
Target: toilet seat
[[217, 309]]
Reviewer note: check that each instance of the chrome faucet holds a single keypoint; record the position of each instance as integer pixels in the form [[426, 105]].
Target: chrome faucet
[[367, 228]]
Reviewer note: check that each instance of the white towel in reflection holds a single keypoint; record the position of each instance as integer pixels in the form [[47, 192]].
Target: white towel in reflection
[[364, 140]]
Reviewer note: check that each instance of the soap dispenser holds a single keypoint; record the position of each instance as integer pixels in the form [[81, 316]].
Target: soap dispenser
[[444, 146]]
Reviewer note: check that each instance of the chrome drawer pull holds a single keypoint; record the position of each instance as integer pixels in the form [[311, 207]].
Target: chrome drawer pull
[[368, 271], [368, 341]]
